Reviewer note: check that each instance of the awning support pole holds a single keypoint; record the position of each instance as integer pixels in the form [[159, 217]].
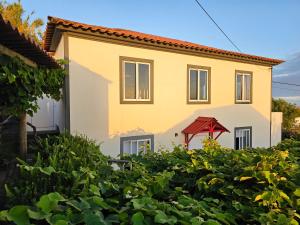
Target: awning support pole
[[218, 135]]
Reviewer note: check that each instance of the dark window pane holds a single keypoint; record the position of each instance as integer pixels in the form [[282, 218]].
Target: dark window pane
[[247, 88], [203, 85], [134, 147], [193, 84], [127, 147], [130, 80], [245, 139], [144, 81], [237, 143], [239, 81]]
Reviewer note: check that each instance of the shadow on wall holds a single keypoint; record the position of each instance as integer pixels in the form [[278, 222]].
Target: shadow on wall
[[230, 116], [90, 116], [88, 102]]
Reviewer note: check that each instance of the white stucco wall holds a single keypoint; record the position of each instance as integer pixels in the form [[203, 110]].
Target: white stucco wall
[[45, 117], [276, 128], [95, 108], [50, 113]]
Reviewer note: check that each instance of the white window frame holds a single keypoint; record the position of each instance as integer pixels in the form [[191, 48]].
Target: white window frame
[[198, 89], [239, 132], [137, 63], [131, 152], [142, 138], [243, 100]]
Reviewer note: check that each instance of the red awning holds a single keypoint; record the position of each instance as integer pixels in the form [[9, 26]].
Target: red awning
[[203, 125]]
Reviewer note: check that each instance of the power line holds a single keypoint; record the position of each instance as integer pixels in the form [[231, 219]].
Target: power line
[[217, 26], [277, 82], [288, 89]]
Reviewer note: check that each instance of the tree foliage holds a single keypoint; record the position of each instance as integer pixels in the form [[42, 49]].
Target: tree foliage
[[15, 14], [290, 112], [22, 85]]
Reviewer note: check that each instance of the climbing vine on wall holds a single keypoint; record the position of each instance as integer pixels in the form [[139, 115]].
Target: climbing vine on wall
[[22, 85]]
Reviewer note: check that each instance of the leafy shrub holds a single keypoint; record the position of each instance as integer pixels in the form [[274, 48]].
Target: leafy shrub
[[65, 164], [208, 187], [291, 145]]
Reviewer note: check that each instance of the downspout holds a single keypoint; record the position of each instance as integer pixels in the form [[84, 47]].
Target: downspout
[[271, 107], [67, 83]]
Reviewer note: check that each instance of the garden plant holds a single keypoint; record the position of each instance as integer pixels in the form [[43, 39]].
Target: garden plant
[[71, 182]]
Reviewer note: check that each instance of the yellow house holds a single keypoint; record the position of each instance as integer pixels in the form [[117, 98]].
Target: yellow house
[[127, 89]]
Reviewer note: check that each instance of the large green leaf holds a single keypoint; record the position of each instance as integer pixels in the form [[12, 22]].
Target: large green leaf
[[91, 218], [57, 218], [45, 204], [282, 220], [137, 218], [49, 202], [47, 170], [19, 215], [197, 220], [211, 222], [162, 218], [100, 202], [297, 192], [3, 215], [61, 222], [37, 215]]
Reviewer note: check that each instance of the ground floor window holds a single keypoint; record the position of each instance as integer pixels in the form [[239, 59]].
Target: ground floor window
[[136, 144], [243, 137]]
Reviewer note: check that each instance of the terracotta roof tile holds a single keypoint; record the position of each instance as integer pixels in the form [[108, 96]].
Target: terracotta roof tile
[[53, 22]]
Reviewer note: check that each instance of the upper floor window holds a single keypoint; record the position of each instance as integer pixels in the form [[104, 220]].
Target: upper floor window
[[243, 137], [137, 144], [136, 80], [198, 84], [243, 86]]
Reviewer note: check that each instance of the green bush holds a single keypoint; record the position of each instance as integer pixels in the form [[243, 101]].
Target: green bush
[[65, 164], [209, 187], [291, 145]]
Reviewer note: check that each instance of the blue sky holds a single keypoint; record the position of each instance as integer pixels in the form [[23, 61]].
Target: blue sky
[[262, 27]]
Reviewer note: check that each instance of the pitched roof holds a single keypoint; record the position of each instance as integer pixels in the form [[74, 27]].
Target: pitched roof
[[204, 125], [149, 39], [11, 38]]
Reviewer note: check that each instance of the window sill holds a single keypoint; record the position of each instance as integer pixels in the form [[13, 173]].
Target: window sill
[[198, 102], [136, 102], [243, 102]]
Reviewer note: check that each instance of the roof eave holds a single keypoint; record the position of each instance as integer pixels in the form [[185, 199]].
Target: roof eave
[[54, 26], [16, 41]]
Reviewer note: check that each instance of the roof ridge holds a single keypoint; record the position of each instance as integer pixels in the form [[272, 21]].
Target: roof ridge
[[150, 37]]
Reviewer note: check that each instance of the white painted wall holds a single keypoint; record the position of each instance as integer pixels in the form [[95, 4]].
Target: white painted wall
[[276, 128], [95, 108], [48, 116], [197, 140], [44, 118], [50, 113]]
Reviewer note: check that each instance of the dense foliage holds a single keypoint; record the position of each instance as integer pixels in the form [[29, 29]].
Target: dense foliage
[[22, 85], [65, 164], [15, 14], [290, 112], [71, 182]]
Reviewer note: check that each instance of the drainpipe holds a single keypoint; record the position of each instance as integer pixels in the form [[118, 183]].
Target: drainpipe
[[271, 107]]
